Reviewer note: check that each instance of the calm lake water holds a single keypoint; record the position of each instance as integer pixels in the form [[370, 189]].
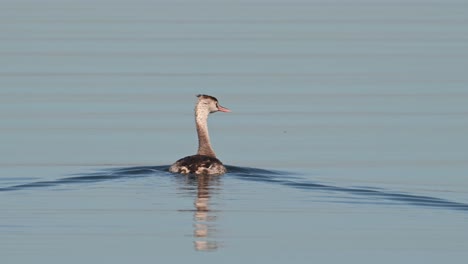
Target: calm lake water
[[347, 141]]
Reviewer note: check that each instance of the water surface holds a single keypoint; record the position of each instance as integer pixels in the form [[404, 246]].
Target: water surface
[[347, 140]]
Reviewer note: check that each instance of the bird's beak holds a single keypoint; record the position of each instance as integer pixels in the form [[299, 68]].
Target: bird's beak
[[223, 109]]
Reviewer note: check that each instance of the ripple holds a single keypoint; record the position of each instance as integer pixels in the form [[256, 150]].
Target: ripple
[[369, 194], [98, 176]]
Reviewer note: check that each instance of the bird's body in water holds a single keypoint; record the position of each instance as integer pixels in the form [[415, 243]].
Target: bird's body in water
[[205, 161]]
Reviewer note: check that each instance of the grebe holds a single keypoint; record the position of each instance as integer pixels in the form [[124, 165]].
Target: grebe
[[205, 161]]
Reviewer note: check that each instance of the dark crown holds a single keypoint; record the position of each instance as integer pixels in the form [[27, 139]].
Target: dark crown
[[207, 97]]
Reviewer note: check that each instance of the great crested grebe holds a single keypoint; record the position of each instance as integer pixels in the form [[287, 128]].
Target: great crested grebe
[[205, 161]]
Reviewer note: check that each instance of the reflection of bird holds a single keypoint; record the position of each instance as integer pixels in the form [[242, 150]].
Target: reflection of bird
[[205, 161], [205, 221]]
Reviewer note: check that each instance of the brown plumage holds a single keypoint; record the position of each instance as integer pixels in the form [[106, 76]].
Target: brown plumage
[[205, 161]]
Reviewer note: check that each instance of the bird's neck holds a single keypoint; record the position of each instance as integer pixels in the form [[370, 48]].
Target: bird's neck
[[204, 145]]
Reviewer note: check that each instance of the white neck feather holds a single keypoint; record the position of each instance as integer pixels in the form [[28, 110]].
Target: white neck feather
[[201, 121]]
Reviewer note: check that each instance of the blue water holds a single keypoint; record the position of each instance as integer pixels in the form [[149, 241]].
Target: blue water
[[148, 212], [370, 194], [347, 140]]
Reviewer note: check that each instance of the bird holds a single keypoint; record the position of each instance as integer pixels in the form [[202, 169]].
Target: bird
[[205, 161]]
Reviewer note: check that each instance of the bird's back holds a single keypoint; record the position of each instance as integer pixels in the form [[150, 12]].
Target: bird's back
[[198, 165]]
